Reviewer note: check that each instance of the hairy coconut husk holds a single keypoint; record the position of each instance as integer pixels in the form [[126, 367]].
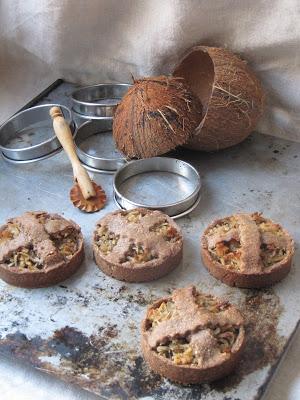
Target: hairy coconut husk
[[231, 95], [156, 115]]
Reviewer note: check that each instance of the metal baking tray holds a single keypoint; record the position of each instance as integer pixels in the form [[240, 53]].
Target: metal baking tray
[[96, 148], [98, 100], [28, 135], [86, 330], [161, 183]]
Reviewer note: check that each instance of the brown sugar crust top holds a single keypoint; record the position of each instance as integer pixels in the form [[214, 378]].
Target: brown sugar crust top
[[248, 244], [38, 242], [136, 238], [194, 329]]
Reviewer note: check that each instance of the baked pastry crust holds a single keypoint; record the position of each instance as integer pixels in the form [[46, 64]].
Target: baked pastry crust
[[247, 250], [192, 337], [139, 245], [38, 249]]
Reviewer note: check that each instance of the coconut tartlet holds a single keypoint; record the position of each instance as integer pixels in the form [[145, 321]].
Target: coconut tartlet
[[247, 250], [139, 245], [38, 249], [192, 337]]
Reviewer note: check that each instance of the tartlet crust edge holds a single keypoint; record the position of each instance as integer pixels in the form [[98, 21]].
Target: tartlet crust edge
[[44, 278], [142, 273], [137, 274], [233, 278], [186, 374]]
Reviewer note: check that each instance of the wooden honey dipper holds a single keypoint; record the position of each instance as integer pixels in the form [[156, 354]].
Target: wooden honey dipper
[[85, 194]]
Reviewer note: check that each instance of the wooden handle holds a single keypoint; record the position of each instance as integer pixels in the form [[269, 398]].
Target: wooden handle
[[64, 135]]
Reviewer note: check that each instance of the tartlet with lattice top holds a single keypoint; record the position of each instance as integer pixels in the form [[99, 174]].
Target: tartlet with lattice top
[[139, 245], [192, 337], [247, 250], [38, 249]]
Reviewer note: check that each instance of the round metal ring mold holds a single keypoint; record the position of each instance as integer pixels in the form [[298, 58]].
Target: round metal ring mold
[[80, 119], [98, 100], [98, 171], [176, 216], [100, 164], [182, 169], [31, 128], [11, 161]]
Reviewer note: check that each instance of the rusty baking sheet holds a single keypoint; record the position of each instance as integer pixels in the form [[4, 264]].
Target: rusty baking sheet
[[86, 330]]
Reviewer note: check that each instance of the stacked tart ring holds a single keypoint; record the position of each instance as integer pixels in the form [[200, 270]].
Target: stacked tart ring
[[247, 250], [192, 337], [39, 249], [138, 245]]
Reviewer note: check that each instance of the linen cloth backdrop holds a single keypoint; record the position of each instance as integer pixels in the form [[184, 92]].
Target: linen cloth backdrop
[[92, 41]]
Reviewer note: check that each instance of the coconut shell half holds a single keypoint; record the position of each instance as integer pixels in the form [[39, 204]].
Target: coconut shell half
[[156, 115], [231, 95]]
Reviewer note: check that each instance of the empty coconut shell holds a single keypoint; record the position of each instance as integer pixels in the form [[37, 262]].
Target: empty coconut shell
[[156, 115], [231, 95]]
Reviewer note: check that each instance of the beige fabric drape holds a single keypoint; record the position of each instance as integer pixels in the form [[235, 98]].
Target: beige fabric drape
[[92, 41]]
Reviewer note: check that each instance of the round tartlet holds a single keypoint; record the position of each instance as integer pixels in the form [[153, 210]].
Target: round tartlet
[[192, 337], [139, 245], [247, 250], [38, 249]]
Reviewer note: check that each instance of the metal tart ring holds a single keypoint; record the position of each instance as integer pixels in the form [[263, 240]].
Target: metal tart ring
[[87, 103], [160, 164]]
